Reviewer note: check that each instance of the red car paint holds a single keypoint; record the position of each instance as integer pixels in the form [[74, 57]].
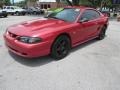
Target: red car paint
[[49, 30]]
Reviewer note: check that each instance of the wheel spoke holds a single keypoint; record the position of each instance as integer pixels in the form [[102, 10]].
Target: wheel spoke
[[61, 48]]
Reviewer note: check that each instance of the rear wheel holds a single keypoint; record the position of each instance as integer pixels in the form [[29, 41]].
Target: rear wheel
[[102, 33], [60, 47]]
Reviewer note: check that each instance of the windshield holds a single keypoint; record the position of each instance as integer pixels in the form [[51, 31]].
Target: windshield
[[68, 14]]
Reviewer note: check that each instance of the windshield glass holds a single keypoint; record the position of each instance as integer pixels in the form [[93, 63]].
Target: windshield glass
[[68, 14]]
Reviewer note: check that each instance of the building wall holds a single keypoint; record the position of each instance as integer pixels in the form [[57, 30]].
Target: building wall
[[50, 5], [45, 5], [1, 4]]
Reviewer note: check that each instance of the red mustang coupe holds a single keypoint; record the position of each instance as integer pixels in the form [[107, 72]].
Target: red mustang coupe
[[56, 34]]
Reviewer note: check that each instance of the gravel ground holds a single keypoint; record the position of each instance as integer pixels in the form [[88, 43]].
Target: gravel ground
[[91, 66]]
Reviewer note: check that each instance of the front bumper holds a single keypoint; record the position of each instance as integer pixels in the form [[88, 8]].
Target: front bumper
[[27, 50]]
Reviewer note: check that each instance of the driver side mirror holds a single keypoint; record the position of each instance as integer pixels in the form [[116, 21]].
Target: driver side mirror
[[84, 20]]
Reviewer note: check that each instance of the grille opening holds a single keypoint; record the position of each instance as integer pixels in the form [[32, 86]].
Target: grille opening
[[13, 49], [18, 51]]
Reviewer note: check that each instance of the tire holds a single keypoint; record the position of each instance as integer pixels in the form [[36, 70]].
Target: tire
[[34, 13], [102, 33], [60, 47], [24, 14], [5, 15], [11, 13], [17, 13]]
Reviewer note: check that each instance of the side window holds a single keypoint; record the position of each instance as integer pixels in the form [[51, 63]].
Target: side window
[[90, 15], [95, 14], [12, 8], [8, 7]]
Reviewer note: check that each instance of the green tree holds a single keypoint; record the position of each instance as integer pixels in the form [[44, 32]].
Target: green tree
[[32, 0], [77, 2], [92, 3], [1, 3], [100, 3], [6, 2], [27, 2], [74, 2], [69, 2], [21, 4]]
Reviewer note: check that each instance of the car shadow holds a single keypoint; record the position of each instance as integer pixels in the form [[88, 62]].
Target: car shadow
[[3, 17], [34, 62], [31, 62]]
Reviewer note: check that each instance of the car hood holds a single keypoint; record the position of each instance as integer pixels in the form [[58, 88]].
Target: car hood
[[37, 26]]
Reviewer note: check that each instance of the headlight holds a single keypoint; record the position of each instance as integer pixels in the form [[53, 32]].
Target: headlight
[[29, 40]]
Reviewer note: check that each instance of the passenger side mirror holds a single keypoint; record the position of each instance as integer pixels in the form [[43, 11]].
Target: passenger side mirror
[[84, 20]]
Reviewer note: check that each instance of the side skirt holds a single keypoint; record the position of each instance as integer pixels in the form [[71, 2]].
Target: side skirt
[[81, 42]]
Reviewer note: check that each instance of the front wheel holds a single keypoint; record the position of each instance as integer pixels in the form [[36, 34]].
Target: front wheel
[[17, 13], [60, 47], [5, 15], [102, 33]]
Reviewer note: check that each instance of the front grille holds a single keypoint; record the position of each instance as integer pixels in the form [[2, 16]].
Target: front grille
[[13, 49], [12, 35]]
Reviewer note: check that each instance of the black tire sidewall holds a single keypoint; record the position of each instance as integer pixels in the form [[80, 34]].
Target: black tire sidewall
[[103, 31], [17, 13], [5, 15], [53, 49]]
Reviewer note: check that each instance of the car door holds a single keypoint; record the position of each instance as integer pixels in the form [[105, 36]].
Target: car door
[[8, 9], [12, 9], [89, 23]]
